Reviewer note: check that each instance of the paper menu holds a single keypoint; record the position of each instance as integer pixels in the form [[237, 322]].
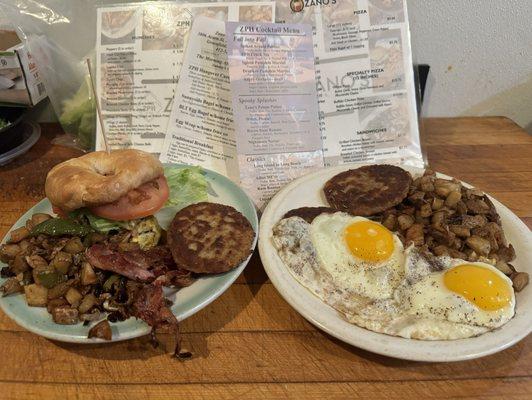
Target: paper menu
[[139, 51], [364, 74], [201, 129], [273, 85]]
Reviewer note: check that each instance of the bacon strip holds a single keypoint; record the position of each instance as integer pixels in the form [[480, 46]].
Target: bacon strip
[[138, 265], [104, 257], [150, 306]]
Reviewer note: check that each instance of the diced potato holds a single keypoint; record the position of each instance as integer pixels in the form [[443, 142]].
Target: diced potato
[[59, 290], [36, 295], [55, 303], [427, 186], [505, 268], [18, 234], [443, 187], [19, 264], [9, 251], [101, 330], [74, 246], [520, 280], [478, 206], [36, 262], [389, 221], [405, 221], [65, 315], [480, 245], [62, 262], [415, 234], [24, 245], [460, 230], [506, 253], [87, 303], [453, 198], [438, 218], [437, 203], [473, 221], [73, 296], [441, 250], [10, 286], [88, 276], [425, 210]]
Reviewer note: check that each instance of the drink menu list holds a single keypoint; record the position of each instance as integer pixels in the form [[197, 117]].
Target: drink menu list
[[273, 86]]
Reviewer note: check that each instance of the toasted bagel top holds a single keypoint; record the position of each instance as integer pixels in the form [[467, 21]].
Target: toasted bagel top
[[98, 178]]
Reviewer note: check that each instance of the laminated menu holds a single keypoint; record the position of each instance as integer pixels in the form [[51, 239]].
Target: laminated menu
[[139, 50], [273, 85], [365, 78]]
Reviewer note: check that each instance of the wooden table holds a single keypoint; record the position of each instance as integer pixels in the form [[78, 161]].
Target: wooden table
[[250, 343]]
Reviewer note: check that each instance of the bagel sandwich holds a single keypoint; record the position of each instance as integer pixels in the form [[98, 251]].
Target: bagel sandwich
[[122, 189]]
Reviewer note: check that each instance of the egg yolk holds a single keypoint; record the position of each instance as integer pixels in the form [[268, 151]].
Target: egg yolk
[[480, 285], [369, 241]]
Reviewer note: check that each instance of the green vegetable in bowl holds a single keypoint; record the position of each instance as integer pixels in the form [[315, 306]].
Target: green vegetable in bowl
[[79, 116]]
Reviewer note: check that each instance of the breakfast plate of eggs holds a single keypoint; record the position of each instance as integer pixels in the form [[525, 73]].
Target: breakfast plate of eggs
[[363, 283]]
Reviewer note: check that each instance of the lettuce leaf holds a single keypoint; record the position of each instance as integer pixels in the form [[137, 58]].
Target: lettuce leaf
[[102, 225], [187, 186]]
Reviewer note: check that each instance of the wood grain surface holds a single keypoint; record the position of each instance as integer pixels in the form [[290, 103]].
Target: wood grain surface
[[250, 343]]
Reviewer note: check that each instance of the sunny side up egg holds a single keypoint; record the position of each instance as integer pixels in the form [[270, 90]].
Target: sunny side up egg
[[361, 269], [464, 292], [359, 254]]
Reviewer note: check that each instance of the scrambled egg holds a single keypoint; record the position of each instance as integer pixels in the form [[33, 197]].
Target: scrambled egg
[[146, 232]]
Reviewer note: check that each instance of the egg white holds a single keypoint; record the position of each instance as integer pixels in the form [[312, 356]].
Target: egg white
[[405, 297], [374, 280], [429, 297]]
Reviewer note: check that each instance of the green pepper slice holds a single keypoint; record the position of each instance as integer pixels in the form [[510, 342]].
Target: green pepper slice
[[60, 227], [49, 279], [108, 284]]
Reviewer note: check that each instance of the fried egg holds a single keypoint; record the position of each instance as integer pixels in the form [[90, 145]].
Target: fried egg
[[472, 293], [362, 270], [358, 253]]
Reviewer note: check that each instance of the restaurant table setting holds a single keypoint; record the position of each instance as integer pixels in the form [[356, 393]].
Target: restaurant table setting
[[242, 200]]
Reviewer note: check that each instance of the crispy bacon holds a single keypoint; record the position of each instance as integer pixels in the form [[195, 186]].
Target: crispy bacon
[[105, 257], [150, 306], [141, 266]]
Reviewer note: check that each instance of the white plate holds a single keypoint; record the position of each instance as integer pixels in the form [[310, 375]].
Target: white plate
[[186, 301], [307, 191]]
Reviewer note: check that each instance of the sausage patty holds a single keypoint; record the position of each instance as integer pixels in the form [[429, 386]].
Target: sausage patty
[[368, 190], [209, 238]]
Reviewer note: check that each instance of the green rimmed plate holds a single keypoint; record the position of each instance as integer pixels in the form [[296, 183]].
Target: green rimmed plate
[[186, 301]]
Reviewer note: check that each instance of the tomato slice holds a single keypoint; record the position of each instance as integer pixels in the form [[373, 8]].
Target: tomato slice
[[59, 212], [137, 203]]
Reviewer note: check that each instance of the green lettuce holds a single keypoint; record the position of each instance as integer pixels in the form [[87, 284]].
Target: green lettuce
[[187, 186], [102, 225]]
